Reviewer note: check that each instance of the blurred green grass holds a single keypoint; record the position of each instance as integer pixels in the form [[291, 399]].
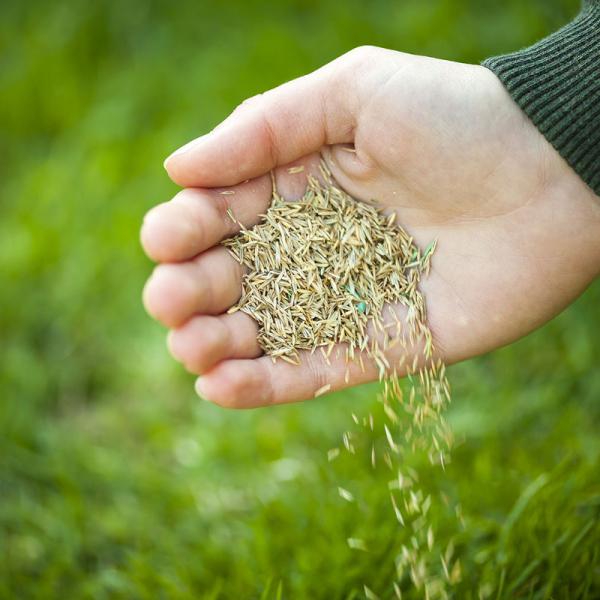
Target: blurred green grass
[[115, 480]]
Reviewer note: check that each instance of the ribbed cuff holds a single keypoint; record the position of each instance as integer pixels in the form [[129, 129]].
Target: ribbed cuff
[[557, 84]]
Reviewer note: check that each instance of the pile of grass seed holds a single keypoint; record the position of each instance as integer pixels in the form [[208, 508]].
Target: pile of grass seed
[[329, 272]]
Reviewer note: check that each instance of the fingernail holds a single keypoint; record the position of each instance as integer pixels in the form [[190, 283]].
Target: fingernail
[[198, 387], [185, 148], [171, 345]]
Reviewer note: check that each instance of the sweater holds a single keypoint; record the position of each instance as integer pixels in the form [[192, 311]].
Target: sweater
[[556, 82]]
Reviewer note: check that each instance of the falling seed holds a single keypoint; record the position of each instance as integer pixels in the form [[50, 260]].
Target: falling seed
[[298, 169], [357, 544], [390, 439], [430, 538], [397, 510], [370, 594], [322, 390], [333, 454], [345, 494]]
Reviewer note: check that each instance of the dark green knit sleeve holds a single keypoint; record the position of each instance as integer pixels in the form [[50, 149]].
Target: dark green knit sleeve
[[557, 84]]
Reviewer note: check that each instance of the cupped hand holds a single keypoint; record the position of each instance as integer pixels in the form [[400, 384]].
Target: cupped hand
[[440, 143]]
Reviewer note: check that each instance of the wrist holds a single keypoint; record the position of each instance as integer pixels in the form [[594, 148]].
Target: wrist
[[555, 83]]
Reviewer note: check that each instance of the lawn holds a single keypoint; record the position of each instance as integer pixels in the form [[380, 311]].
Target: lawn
[[116, 481]]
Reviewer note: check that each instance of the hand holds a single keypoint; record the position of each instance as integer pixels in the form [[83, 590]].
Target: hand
[[441, 143]]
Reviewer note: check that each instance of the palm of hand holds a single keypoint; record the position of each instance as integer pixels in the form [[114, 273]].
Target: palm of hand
[[441, 144]]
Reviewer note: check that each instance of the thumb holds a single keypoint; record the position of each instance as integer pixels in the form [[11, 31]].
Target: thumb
[[271, 129]]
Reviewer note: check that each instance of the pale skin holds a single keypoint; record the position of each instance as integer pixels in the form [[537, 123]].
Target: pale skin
[[440, 143]]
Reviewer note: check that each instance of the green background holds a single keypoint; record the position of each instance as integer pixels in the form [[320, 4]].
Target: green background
[[115, 480]]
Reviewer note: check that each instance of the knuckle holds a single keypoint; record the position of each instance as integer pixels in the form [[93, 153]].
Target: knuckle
[[210, 346], [270, 136], [349, 69], [362, 54], [316, 372], [247, 388], [222, 205], [234, 272], [187, 208], [251, 101], [233, 391], [244, 105], [208, 295]]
